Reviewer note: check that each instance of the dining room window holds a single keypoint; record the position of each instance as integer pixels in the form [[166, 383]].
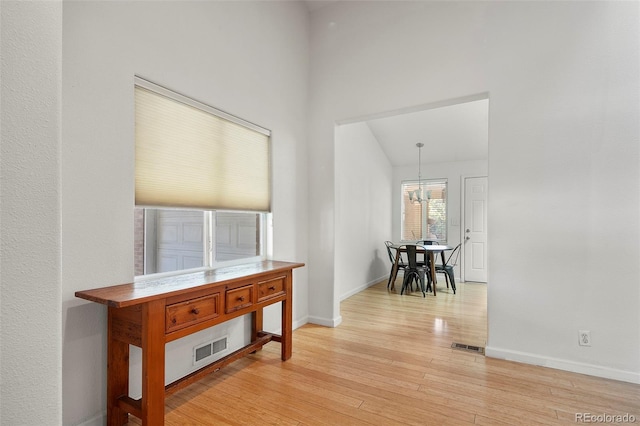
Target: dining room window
[[424, 210]]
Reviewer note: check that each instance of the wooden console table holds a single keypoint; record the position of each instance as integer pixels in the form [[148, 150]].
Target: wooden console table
[[150, 313]]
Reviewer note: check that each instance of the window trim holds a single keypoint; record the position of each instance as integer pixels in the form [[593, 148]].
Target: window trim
[[424, 182]]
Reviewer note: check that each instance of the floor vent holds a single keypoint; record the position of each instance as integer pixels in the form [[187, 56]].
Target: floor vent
[[205, 350], [468, 348]]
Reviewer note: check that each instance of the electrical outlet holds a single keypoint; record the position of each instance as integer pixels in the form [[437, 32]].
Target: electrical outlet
[[584, 337]]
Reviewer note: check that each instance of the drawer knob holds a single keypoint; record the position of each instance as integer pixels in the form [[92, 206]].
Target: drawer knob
[[195, 311], [272, 287], [241, 298]]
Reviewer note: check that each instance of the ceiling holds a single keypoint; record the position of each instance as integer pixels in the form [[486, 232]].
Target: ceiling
[[317, 4], [457, 132]]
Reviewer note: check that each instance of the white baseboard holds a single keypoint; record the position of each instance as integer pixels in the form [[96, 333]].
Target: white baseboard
[[562, 364], [362, 287], [299, 323], [326, 322]]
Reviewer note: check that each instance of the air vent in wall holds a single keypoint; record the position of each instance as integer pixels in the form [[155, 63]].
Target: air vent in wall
[[205, 350]]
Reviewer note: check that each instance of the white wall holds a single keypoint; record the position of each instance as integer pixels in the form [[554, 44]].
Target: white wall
[[563, 167], [363, 209], [563, 81], [30, 346], [247, 58]]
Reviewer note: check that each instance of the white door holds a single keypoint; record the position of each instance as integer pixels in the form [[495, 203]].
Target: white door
[[475, 229]]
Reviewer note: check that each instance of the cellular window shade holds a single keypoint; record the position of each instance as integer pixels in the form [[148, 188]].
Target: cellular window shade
[[189, 157]]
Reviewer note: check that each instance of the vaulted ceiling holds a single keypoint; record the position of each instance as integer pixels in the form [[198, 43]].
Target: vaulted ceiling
[[457, 132]]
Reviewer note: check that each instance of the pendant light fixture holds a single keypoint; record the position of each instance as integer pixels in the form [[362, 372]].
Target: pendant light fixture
[[417, 196]]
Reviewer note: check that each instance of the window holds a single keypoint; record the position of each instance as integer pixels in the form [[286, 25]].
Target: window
[[425, 219], [203, 184], [170, 240]]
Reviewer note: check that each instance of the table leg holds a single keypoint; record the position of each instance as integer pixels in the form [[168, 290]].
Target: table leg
[[153, 354], [117, 374], [287, 318], [256, 324], [443, 263], [433, 271]]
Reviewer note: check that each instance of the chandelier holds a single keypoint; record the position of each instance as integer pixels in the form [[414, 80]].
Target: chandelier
[[418, 196]]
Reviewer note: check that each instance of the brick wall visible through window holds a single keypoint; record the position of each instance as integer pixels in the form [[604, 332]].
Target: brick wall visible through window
[[138, 241], [412, 229]]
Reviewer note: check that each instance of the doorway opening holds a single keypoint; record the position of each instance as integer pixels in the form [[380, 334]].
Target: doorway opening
[[375, 163]]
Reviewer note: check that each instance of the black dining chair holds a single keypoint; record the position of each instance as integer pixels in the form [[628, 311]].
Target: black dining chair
[[425, 258], [447, 267], [392, 257], [414, 271]]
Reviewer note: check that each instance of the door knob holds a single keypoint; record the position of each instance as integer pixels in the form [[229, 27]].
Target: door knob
[[467, 238], [467, 231]]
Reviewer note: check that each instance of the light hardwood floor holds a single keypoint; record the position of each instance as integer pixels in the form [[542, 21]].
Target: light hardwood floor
[[390, 362]]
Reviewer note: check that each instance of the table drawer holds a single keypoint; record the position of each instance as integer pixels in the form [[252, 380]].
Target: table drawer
[[193, 311], [270, 288], [239, 298]]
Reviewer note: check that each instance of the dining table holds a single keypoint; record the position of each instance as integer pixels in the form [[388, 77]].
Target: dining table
[[430, 250]]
